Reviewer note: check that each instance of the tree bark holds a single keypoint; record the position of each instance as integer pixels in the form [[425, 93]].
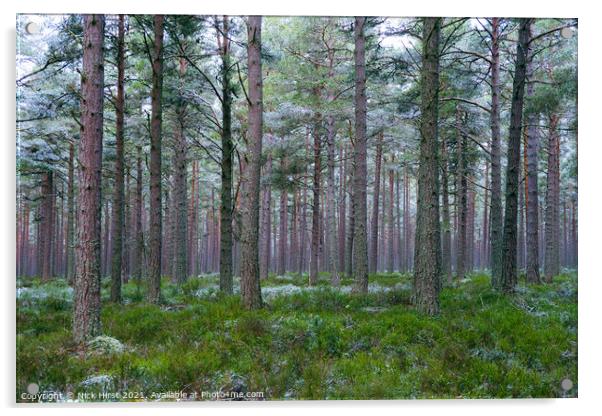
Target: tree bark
[[427, 260], [155, 231], [532, 189], [360, 244], [446, 225], [461, 198], [391, 223], [180, 240], [118, 189], [509, 275], [46, 225], [496, 158], [552, 230], [330, 199], [373, 259], [86, 307], [316, 217], [250, 288]]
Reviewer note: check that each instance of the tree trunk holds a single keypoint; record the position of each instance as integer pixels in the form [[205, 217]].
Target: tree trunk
[[138, 232], [446, 226], [509, 243], [250, 288], [315, 217], [118, 190], [360, 244], [180, 240], [226, 208], [266, 234], [331, 236], [342, 209], [427, 260], [532, 189], [283, 233], [552, 233], [373, 259], [391, 223], [496, 158], [155, 231], [46, 225], [462, 204], [86, 306]]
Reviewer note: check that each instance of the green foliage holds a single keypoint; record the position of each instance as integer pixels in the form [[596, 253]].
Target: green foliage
[[319, 343]]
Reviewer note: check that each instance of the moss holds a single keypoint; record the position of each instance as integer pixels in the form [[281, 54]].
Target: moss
[[321, 343]]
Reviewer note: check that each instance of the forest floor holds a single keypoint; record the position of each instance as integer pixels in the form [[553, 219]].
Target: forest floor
[[307, 343]]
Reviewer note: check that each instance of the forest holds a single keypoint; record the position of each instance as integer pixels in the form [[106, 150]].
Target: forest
[[289, 208]]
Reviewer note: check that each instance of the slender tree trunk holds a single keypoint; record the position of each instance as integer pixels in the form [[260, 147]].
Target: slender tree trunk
[[360, 244], [509, 275], [342, 209], [155, 231], [446, 225], [427, 260], [266, 249], [226, 208], [496, 158], [532, 189], [118, 190], [331, 236], [391, 223], [373, 258], [46, 225], [552, 233], [193, 216], [315, 217], [250, 288], [138, 232], [86, 307], [180, 240], [462, 207], [283, 233]]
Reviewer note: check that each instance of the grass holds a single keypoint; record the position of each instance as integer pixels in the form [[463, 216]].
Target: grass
[[322, 343]]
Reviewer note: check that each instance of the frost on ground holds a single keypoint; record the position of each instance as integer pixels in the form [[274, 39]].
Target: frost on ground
[[103, 345]]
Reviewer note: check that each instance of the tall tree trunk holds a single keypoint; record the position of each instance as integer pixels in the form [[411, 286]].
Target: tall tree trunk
[[316, 217], [485, 225], [552, 233], [342, 209], [509, 275], [532, 189], [193, 216], [331, 235], [462, 205], [118, 190], [360, 243], [138, 231], [180, 240], [283, 233], [155, 231], [250, 288], [391, 224], [226, 207], [446, 225], [86, 306], [496, 158], [427, 260], [266, 248], [373, 258], [46, 225]]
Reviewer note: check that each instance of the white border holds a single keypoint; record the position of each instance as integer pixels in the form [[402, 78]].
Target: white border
[[589, 198]]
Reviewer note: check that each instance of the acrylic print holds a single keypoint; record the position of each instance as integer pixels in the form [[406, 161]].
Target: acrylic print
[[295, 208]]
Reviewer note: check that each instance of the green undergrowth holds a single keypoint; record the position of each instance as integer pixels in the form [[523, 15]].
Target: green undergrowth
[[322, 343]]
